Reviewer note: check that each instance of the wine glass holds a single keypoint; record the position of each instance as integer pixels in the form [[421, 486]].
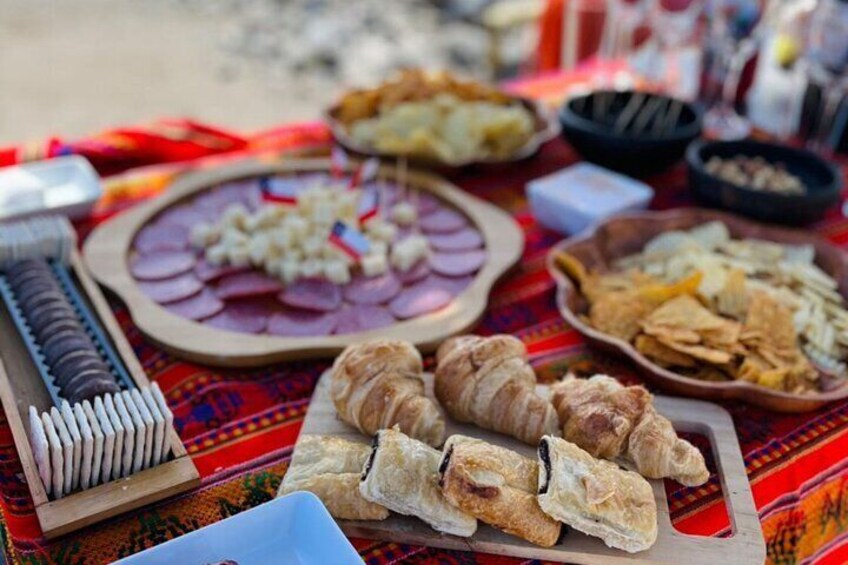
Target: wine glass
[[673, 23], [733, 26], [826, 62]]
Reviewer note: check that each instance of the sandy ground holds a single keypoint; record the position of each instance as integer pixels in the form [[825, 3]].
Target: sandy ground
[[73, 67]]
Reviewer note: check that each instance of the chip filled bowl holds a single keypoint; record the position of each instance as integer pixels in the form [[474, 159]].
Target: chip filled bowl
[[637, 133], [821, 181]]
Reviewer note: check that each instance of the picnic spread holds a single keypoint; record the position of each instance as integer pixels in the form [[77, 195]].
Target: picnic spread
[[236, 268]]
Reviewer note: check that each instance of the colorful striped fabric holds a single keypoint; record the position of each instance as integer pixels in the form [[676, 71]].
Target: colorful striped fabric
[[240, 425]]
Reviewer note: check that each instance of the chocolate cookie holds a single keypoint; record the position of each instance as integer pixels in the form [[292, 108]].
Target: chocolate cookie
[[92, 387], [63, 343], [73, 362]]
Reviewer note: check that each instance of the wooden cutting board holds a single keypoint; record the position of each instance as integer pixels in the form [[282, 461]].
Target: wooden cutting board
[[746, 545]]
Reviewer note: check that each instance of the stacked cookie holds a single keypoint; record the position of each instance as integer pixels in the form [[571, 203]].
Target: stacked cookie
[[115, 435], [73, 358]]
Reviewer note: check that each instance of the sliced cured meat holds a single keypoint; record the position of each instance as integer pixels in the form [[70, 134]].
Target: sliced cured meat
[[312, 294], [422, 298], [162, 265], [161, 237], [202, 305], [465, 239], [444, 220], [171, 290], [302, 323], [185, 216], [427, 203], [458, 264], [208, 272], [242, 317], [418, 272], [243, 285], [363, 317], [372, 290]]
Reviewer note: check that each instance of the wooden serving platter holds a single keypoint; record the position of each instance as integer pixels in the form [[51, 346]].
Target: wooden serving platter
[[107, 251], [745, 546], [627, 234], [22, 387]]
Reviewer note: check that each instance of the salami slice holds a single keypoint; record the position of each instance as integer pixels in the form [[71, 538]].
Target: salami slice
[[363, 317], [443, 221], [312, 294], [161, 237], [427, 203], [243, 285], [372, 290], [302, 323], [431, 294], [242, 317], [208, 272], [465, 239], [185, 216], [458, 264], [202, 305], [171, 290], [162, 265], [418, 272]]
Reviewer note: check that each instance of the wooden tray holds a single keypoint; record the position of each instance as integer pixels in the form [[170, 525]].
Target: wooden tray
[[627, 234], [746, 546], [22, 387], [107, 249]]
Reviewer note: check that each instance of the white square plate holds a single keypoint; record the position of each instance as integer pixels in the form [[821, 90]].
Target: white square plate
[[294, 529]]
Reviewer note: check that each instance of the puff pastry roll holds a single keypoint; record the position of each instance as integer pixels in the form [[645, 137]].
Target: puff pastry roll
[[596, 496], [615, 422], [497, 486], [377, 385], [402, 474], [487, 381], [330, 468]]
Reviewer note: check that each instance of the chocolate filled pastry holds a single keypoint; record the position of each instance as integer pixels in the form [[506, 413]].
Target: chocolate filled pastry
[[402, 474], [620, 423], [496, 486], [330, 468], [487, 381], [378, 385], [595, 496]]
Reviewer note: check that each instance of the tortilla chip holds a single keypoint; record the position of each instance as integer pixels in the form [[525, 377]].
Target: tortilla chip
[[714, 356], [665, 356], [619, 314], [732, 300], [685, 312]]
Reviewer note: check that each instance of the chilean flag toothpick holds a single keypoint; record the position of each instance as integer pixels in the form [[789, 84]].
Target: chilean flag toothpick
[[365, 172], [338, 162], [351, 241], [279, 190]]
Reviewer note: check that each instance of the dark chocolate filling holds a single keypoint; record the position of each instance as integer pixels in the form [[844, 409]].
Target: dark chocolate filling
[[545, 456], [443, 465], [368, 464]]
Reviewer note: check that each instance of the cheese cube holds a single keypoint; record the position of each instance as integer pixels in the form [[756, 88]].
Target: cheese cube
[[238, 255], [234, 215], [381, 230], [258, 248], [379, 247], [233, 237], [407, 252], [312, 268], [289, 270], [374, 264], [217, 254], [204, 235], [297, 226], [404, 214], [323, 214], [337, 272], [312, 246]]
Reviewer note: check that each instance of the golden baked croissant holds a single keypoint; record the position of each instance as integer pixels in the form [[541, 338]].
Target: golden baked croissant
[[612, 421], [377, 385], [487, 381]]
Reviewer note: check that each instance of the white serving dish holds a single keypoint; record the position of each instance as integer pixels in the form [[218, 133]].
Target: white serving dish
[[64, 185], [575, 198], [293, 529]]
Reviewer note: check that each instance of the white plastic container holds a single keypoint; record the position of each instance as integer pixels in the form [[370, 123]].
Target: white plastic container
[[65, 185], [579, 196]]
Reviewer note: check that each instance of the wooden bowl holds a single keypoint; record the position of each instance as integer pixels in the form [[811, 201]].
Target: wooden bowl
[[108, 248], [627, 234], [545, 123]]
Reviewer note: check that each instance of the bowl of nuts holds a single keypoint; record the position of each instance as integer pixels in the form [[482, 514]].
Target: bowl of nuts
[[765, 181]]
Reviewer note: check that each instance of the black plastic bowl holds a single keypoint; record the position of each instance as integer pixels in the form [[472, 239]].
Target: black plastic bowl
[[638, 154], [821, 179]]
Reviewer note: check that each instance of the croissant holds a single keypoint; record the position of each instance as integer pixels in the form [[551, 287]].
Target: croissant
[[615, 422], [487, 381], [377, 385]]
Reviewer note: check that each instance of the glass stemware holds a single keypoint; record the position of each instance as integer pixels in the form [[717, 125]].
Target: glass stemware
[[826, 60], [673, 23]]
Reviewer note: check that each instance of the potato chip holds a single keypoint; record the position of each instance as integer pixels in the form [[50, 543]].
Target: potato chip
[[732, 299]]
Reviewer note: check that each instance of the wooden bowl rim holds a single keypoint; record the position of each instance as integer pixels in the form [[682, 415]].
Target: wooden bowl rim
[[736, 389]]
